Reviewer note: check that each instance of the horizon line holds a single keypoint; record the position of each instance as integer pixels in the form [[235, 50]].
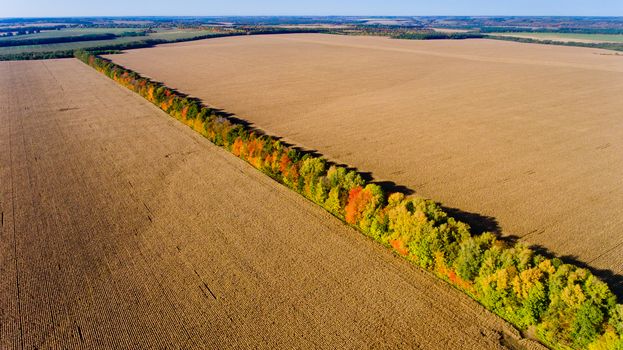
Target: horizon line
[[306, 15]]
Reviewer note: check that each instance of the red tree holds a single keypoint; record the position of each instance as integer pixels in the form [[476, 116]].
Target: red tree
[[358, 199]]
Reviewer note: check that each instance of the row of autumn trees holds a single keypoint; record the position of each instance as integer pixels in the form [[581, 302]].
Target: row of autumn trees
[[564, 305]]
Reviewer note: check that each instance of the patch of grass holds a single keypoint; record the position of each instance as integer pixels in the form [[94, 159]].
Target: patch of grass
[[60, 49], [70, 32]]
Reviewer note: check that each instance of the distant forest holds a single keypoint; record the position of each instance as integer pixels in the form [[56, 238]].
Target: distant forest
[[36, 31]]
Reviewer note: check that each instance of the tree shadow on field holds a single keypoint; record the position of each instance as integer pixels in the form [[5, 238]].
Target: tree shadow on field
[[478, 223], [614, 280]]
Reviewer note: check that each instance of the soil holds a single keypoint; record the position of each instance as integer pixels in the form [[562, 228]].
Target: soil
[[522, 139], [122, 228]]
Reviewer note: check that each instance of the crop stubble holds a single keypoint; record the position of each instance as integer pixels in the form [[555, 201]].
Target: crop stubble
[[121, 228], [526, 136]]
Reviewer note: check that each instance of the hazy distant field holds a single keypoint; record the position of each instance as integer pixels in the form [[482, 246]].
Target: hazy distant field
[[168, 34], [124, 229], [527, 135], [69, 32], [566, 37]]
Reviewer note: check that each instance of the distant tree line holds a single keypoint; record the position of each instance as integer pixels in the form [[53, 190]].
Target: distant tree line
[[403, 32], [430, 35], [134, 33], [563, 305], [56, 40], [116, 47], [551, 30], [29, 29], [255, 30], [43, 55], [606, 46]]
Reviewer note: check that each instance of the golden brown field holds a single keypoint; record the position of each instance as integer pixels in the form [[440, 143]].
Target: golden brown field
[[527, 137], [122, 228]]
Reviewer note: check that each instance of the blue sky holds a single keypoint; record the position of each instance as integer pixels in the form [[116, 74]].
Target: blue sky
[[51, 8]]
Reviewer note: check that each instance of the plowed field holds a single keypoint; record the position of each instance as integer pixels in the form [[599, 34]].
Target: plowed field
[[121, 228], [523, 139]]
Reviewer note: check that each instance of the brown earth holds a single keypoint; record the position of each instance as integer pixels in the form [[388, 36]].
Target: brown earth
[[524, 136], [121, 228]]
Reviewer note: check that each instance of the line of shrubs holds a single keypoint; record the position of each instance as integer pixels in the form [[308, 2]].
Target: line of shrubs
[[431, 35], [595, 45], [18, 30], [57, 40], [45, 55], [563, 305], [610, 31]]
